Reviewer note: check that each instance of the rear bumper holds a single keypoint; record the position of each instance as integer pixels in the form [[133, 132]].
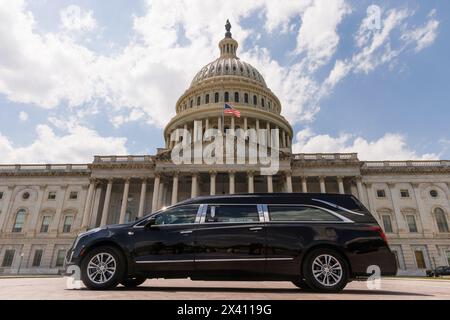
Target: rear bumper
[[381, 262]]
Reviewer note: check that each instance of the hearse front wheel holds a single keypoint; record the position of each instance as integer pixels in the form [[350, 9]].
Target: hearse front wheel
[[102, 268], [325, 270]]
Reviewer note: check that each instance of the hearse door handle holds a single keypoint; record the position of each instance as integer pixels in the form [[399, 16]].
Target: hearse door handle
[[186, 231], [255, 228]]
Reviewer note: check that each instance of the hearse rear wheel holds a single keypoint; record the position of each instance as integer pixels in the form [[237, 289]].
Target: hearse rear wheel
[[325, 270]]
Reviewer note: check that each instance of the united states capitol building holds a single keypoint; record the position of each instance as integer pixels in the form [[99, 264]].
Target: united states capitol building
[[44, 207]]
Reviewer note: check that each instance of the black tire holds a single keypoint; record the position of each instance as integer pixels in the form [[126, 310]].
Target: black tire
[[133, 282], [301, 283], [116, 276], [319, 284]]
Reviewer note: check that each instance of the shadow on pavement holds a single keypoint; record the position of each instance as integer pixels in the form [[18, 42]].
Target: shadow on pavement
[[268, 290]]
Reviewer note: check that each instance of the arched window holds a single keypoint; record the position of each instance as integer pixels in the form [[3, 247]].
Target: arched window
[[198, 101], [255, 100], [245, 97], [216, 97], [441, 220], [262, 102], [20, 220], [236, 97], [227, 96], [207, 99], [191, 103]]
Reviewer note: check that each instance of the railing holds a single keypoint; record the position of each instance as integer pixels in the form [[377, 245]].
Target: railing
[[326, 156], [122, 159], [17, 168], [405, 164]]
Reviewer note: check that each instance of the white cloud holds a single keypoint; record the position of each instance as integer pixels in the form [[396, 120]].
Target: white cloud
[[423, 36], [73, 18], [23, 116], [391, 146], [79, 145], [171, 42]]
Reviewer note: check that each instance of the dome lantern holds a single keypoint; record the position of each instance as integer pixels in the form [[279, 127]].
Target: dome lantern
[[228, 46]]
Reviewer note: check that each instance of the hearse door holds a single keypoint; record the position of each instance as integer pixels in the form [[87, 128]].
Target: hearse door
[[168, 244], [230, 241]]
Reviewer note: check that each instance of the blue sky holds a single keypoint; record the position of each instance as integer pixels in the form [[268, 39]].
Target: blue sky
[[79, 78]]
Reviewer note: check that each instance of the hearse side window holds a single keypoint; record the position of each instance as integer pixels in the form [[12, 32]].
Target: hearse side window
[[227, 213], [299, 213], [177, 215]]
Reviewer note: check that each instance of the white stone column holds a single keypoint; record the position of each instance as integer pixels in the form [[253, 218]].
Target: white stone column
[[212, 183], [185, 134], [175, 188], [251, 182], [322, 185], [106, 203], [371, 201], [245, 123], [304, 184], [340, 182], [88, 205], [288, 181], [123, 208], [232, 123], [269, 140], [59, 209], [219, 124], [401, 223], [35, 212], [161, 194], [194, 185], [425, 217], [6, 207], [142, 197], [283, 135], [257, 127], [155, 192], [360, 188], [231, 176], [269, 184], [206, 124]]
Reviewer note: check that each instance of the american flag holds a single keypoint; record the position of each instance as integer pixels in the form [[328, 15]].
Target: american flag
[[229, 109]]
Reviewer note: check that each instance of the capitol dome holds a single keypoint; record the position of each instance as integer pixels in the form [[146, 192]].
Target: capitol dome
[[229, 80]]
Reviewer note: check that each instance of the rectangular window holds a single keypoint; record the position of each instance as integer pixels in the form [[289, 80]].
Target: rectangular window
[[387, 223], [20, 220], [299, 213], [60, 258], [246, 98], [381, 193], [411, 220], [178, 215], [420, 259], [67, 224], [8, 258], [37, 258], [404, 193], [207, 99], [216, 97], [45, 224], [230, 214], [51, 195], [73, 195]]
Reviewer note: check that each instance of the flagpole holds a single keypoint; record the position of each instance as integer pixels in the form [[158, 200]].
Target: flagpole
[[223, 119]]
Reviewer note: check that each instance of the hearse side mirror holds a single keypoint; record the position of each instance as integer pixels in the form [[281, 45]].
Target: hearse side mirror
[[150, 222]]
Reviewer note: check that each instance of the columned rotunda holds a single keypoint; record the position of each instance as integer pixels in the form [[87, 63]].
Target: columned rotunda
[[44, 207]]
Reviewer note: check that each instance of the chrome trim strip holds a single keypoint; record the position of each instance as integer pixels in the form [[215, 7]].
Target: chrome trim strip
[[338, 207], [215, 260], [163, 261]]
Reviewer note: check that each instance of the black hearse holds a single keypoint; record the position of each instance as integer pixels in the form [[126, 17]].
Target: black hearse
[[319, 242]]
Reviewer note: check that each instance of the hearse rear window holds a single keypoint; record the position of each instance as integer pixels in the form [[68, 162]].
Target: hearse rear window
[[229, 213], [299, 213]]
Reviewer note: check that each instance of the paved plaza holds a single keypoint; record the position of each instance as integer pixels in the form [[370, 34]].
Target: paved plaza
[[56, 288]]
